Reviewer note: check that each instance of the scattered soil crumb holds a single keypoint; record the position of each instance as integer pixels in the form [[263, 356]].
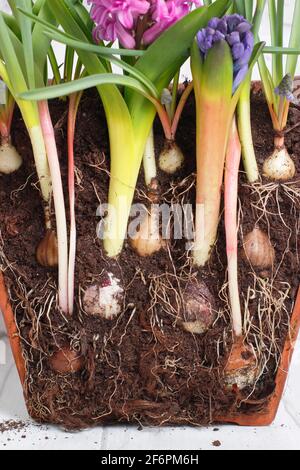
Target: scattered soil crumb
[[216, 444], [12, 425]]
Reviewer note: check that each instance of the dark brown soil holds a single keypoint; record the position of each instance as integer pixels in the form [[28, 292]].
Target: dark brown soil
[[143, 367]]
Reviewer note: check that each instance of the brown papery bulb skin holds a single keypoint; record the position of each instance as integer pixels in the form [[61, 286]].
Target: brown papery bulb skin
[[258, 249], [66, 361], [148, 240], [47, 251], [199, 311]]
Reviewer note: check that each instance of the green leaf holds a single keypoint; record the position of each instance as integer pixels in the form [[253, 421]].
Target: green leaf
[[121, 63], [40, 42], [240, 7], [217, 72], [267, 81], [291, 64], [257, 18], [11, 59], [26, 32], [12, 23], [281, 50], [91, 81]]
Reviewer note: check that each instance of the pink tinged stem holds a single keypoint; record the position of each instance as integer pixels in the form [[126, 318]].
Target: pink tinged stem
[[59, 204], [4, 132], [233, 159], [73, 108], [10, 115], [164, 118], [6, 121], [180, 108]]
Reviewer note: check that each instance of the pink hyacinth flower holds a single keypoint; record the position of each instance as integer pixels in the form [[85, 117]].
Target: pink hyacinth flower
[[165, 13], [116, 19]]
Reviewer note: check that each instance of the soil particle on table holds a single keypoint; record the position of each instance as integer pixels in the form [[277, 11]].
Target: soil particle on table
[[217, 444], [142, 367], [11, 425]]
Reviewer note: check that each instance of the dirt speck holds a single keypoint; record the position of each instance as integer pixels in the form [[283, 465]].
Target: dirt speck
[[12, 425], [216, 443]]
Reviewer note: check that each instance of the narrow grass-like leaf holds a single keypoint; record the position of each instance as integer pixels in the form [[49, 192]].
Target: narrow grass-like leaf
[[26, 32], [273, 31], [12, 24], [257, 18], [249, 9], [115, 60], [292, 61], [279, 37], [281, 50], [11, 60], [90, 81], [240, 7], [54, 65]]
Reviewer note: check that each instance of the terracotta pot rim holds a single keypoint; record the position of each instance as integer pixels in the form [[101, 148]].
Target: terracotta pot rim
[[261, 418]]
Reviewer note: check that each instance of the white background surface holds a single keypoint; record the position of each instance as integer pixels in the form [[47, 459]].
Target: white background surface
[[283, 434]]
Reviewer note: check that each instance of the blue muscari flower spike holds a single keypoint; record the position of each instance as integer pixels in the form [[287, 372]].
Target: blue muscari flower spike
[[285, 89], [236, 31]]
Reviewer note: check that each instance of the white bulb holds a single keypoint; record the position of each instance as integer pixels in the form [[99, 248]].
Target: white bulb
[[10, 160], [104, 299], [148, 241], [171, 159], [279, 166]]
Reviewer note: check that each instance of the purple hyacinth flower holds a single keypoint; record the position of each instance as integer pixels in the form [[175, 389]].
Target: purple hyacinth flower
[[233, 21], [233, 38], [222, 26], [218, 36], [239, 77], [244, 27], [236, 31], [238, 51], [213, 23]]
